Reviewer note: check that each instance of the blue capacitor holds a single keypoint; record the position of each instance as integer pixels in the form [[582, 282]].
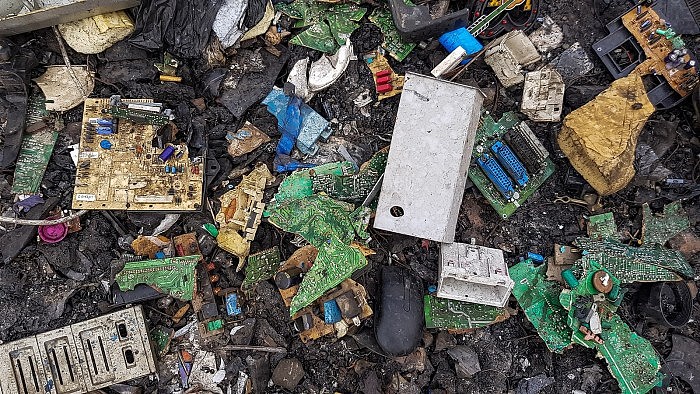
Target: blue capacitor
[[105, 144], [173, 169], [331, 312], [104, 130], [167, 168], [167, 153], [105, 122], [535, 257]]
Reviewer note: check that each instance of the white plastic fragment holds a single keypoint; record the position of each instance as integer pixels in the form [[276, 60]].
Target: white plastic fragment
[[228, 24], [543, 95], [450, 62], [326, 70], [298, 78], [548, 37], [509, 54], [473, 273], [428, 161]]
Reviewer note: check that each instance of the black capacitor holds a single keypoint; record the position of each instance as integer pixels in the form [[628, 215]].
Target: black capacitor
[[304, 322], [288, 278]]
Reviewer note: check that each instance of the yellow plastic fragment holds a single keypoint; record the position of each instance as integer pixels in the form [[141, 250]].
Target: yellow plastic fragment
[[600, 137], [241, 213], [97, 33]]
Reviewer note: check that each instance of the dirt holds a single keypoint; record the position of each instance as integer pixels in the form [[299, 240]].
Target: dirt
[[50, 286]]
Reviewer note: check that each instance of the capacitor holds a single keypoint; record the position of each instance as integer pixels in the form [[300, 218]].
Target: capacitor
[[104, 130], [639, 9], [173, 169], [645, 25], [167, 153], [671, 57], [689, 65], [167, 168], [288, 278], [105, 144], [105, 122]]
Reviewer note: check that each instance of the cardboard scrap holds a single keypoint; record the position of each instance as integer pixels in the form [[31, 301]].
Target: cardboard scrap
[[245, 140], [600, 137], [61, 90]]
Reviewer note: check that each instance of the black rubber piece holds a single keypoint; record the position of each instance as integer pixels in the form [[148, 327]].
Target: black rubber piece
[[399, 326], [667, 303]]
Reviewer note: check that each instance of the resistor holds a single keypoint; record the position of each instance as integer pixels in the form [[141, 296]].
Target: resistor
[[173, 169], [654, 40], [167, 168]]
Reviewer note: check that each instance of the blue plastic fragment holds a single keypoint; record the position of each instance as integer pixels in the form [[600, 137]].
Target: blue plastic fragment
[[232, 306], [331, 312], [160, 255], [313, 126], [284, 163], [535, 257], [432, 289], [460, 38], [105, 144]]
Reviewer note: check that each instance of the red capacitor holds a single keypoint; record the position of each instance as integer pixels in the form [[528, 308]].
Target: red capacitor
[[383, 73], [384, 88], [383, 80]]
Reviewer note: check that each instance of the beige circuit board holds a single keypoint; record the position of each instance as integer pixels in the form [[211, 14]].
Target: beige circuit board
[[681, 80], [129, 175]]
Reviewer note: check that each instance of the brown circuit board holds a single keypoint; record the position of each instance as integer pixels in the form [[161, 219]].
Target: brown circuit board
[[127, 173], [681, 80]]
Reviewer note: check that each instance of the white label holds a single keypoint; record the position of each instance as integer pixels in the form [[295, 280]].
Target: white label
[[93, 120], [89, 155], [85, 197]]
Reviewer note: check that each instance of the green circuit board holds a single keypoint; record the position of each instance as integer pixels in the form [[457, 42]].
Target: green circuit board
[[397, 47], [488, 133], [539, 298], [299, 184], [631, 359], [36, 150], [453, 314], [353, 187], [330, 226], [602, 227], [174, 276], [659, 229], [635, 264], [261, 266]]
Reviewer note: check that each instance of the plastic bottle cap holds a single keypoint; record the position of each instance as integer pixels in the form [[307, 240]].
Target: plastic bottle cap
[[53, 233]]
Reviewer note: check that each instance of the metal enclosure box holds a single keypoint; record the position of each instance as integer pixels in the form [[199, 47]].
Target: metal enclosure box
[[79, 358], [474, 274], [429, 158], [53, 12]]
